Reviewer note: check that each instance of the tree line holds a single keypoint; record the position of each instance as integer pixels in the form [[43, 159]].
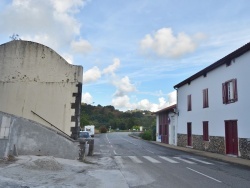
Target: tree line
[[108, 116]]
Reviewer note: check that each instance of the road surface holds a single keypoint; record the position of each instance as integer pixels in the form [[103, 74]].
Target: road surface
[[144, 164]]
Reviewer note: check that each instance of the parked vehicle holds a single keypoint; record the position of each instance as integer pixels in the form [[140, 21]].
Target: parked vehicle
[[84, 134], [90, 129]]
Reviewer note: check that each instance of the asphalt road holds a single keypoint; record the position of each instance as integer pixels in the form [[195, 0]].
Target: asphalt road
[[144, 164]]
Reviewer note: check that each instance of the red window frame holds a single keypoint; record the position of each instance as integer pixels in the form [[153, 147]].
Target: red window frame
[[205, 131], [229, 91], [205, 98], [189, 103]]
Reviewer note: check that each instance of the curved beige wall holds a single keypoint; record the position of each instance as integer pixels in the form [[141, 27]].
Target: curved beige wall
[[34, 78]]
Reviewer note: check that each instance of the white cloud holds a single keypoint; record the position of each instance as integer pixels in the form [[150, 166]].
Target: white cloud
[[172, 98], [67, 5], [81, 46], [50, 22], [87, 98], [123, 86], [91, 75], [122, 102], [164, 43], [69, 58], [111, 68]]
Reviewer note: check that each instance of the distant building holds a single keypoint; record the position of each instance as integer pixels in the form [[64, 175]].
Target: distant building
[[213, 106], [166, 130], [38, 84]]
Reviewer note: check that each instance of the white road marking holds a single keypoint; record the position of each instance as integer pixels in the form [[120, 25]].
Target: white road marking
[[107, 138], [118, 160], [203, 174], [204, 162], [184, 160], [135, 159], [152, 160], [168, 159]]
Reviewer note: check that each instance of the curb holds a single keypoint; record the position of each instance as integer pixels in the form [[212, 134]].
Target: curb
[[220, 157]]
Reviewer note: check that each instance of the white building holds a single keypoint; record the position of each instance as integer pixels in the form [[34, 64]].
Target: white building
[[166, 125], [213, 106]]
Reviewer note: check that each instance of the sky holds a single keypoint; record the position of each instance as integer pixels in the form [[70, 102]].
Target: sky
[[132, 51]]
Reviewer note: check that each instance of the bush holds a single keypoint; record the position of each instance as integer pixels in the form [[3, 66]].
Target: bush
[[102, 129], [147, 135]]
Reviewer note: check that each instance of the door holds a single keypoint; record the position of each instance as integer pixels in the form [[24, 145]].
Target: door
[[164, 128], [231, 137], [165, 134], [189, 134]]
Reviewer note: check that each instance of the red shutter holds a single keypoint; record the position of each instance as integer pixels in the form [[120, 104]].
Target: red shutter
[[189, 103], [204, 98], [235, 90], [224, 93], [207, 97], [205, 131]]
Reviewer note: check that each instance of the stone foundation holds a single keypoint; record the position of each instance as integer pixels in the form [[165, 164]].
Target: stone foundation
[[182, 140], [215, 144], [244, 148]]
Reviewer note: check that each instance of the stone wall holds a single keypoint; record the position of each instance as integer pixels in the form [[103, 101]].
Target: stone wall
[[182, 140], [244, 148], [215, 144]]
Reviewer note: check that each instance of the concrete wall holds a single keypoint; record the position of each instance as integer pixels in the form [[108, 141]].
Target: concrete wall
[[32, 138], [217, 112], [38, 84]]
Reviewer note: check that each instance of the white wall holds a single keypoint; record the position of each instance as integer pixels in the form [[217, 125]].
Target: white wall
[[158, 139], [172, 129], [217, 111], [35, 78]]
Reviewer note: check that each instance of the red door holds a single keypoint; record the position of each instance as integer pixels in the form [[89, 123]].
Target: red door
[[164, 128], [231, 136], [189, 134], [164, 136]]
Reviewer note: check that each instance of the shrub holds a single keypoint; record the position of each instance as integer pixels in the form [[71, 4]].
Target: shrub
[[102, 129], [147, 135]]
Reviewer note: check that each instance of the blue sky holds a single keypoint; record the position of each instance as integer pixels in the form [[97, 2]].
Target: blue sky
[[133, 51]]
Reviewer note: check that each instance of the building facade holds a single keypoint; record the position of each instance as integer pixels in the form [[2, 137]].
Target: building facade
[[38, 84], [166, 125], [213, 106]]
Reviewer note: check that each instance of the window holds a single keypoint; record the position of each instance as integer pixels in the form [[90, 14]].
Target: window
[[229, 91], [189, 134], [205, 98], [189, 105], [205, 131]]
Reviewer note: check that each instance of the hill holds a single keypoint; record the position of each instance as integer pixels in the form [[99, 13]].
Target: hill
[[108, 116]]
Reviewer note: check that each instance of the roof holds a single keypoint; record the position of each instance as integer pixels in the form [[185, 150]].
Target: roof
[[169, 108], [225, 60]]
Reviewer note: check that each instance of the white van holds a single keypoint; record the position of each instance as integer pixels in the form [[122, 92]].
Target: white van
[[90, 129]]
